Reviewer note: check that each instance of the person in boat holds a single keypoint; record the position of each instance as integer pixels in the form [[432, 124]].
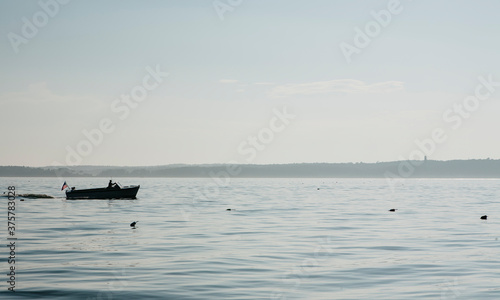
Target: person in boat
[[113, 185]]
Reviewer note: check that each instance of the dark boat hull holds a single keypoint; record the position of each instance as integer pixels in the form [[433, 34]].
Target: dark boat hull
[[104, 193]]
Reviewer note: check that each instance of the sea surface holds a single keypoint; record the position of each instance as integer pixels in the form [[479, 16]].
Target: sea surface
[[281, 239]]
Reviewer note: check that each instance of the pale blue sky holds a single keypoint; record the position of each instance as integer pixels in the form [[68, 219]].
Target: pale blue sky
[[226, 76]]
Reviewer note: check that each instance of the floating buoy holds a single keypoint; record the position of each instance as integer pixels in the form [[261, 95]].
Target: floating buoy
[[485, 217], [133, 224], [392, 209]]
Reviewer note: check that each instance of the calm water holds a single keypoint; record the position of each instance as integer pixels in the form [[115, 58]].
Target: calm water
[[283, 239]]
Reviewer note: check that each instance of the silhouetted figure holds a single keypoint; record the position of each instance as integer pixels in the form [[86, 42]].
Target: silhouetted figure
[[485, 217], [133, 224], [392, 209], [113, 185]]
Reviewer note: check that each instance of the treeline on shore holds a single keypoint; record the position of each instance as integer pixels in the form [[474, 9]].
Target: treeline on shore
[[483, 168]]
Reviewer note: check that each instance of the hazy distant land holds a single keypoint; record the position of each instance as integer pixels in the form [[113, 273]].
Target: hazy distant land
[[484, 168]]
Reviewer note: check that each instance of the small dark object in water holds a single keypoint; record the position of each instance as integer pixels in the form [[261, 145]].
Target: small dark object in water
[[228, 209], [392, 209], [318, 189], [22, 199], [35, 196], [133, 224], [485, 217]]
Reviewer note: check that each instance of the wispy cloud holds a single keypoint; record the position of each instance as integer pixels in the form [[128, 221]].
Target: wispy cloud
[[35, 92], [228, 81], [39, 94], [264, 83], [348, 86]]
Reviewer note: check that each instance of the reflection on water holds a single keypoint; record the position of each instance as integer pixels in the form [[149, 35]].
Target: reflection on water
[[282, 239]]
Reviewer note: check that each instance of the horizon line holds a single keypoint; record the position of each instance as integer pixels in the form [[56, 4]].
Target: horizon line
[[246, 164]]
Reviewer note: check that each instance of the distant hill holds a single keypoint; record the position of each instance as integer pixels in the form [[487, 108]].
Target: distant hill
[[484, 168]]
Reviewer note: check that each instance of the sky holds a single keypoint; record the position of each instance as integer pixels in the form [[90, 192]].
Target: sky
[[139, 83]]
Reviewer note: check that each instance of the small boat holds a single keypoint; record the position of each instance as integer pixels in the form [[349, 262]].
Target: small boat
[[116, 191]]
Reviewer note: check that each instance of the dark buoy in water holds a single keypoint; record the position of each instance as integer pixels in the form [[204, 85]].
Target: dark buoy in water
[[228, 209], [485, 217], [133, 224], [392, 209], [318, 189]]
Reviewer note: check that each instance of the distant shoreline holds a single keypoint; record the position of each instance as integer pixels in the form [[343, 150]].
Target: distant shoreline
[[480, 168]]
